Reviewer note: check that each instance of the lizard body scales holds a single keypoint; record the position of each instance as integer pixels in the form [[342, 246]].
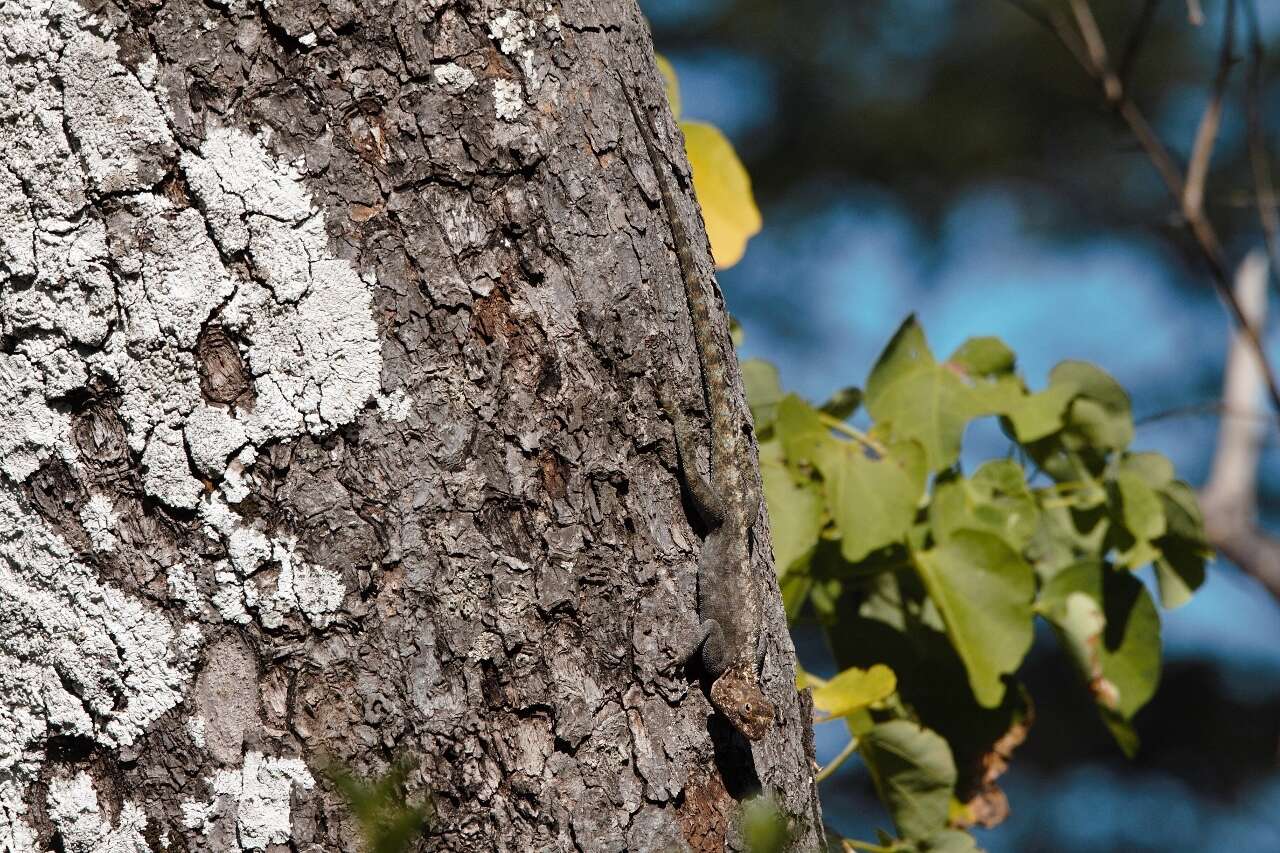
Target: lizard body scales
[[729, 608]]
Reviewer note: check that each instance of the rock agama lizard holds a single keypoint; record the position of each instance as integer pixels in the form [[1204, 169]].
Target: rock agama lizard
[[729, 608]]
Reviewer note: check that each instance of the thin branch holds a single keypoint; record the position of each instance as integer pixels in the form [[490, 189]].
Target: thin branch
[[1160, 157], [1233, 476], [1194, 13], [1259, 159], [1199, 226], [1137, 38], [1208, 407], [1097, 48], [1054, 23], [849, 749], [1229, 499], [1210, 121]]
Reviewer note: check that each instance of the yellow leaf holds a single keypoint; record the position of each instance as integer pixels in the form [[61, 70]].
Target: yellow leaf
[[854, 689], [673, 86], [724, 191]]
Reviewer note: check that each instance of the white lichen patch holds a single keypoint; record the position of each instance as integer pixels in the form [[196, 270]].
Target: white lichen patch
[[120, 129], [255, 799], [16, 834], [394, 407], [63, 627], [30, 431], [195, 728], [237, 477], [99, 519], [508, 100], [165, 470], [229, 596], [453, 78], [119, 298], [308, 316], [182, 588], [312, 591], [513, 32], [74, 810], [305, 316]]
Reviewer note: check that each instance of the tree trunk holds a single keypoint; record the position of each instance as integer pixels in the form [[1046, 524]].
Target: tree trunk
[[328, 341]]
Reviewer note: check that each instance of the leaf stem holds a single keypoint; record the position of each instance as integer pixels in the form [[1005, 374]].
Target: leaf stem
[[848, 750], [854, 433], [864, 845]]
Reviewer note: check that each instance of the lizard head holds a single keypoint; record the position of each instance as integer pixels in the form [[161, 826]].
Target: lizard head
[[737, 695]]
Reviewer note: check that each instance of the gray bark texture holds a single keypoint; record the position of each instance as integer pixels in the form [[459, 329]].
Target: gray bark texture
[[329, 335]]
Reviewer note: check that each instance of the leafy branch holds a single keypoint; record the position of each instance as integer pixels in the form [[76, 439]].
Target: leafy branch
[[928, 576]]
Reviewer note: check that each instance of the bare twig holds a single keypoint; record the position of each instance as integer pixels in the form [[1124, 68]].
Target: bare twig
[[1259, 159], [1208, 407], [1137, 37], [1229, 498], [1097, 49], [1054, 23], [1093, 60], [1210, 121]]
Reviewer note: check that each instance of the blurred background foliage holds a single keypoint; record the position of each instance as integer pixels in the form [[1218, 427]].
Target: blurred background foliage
[[949, 158]]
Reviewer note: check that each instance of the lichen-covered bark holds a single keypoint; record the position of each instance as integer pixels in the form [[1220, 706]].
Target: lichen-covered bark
[[328, 335]]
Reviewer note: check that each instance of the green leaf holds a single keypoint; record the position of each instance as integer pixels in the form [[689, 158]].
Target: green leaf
[[1184, 550], [1182, 514], [983, 589], [764, 826], [1154, 469], [1039, 415], [853, 690], [1179, 571], [906, 355], [1123, 732], [795, 508], [950, 841], [764, 392], [999, 395], [800, 430], [872, 500], [388, 823], [843, 403], [914, 775], [1140, 507], [1064, 535], [1100, 414], [794, 585], [1131, 641], [911, 396], [996, 499], [1118, 653], [981, 357]]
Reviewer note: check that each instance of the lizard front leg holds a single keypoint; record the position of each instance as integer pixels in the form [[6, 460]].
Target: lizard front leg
[[715, 652]]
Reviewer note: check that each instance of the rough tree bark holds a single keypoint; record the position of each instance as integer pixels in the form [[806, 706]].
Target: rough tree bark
[[328, 335]]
